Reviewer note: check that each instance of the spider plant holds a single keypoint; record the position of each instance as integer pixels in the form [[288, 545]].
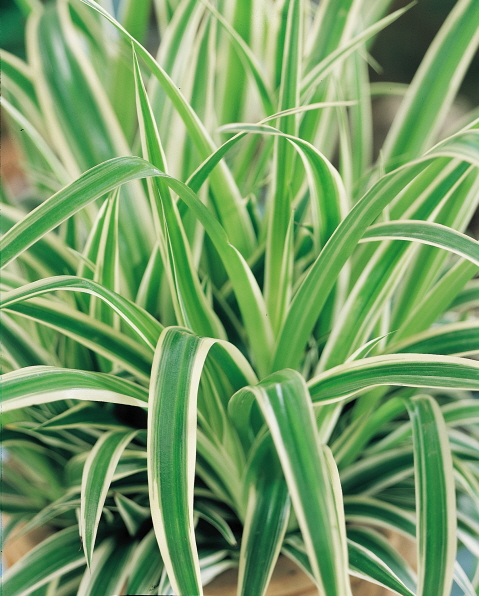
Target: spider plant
[[229, 330]]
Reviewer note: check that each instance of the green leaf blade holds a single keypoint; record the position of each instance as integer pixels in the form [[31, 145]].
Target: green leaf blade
[[435, 498], [171, 454], [96, 479], [427, 233], [90, 186], [285, 404], [265, 524], [53, 557]]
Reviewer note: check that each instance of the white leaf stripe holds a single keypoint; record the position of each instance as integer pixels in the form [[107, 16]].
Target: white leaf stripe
[[93, 334], [410, 370], [46, 384], [366, 564], [313, 292], [266, 520], [435, 497], [176, 373], [430, 233], [168, 428], [142, 322], [230, 206], [285, 404], [110, 566], [66, 202], [53, 557], [96, 478]]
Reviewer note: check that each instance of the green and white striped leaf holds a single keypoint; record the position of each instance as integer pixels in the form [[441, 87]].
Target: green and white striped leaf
[[468, 297], [69, 200], [84, 415], [245, 286], [53, 557], [230, 204], [133, 514], [371, 511], [278, 253], [418, 370], [248, 58], [49, 253], [36, 138], [379, 545], [460, 339], [171, 448], [363, 563], [214, 517], [140, 321], [312, 294], [96, 479], [45, 384], [439, 75], [89, 332], [435, 497], [324, 67], [146, 567], [285, 403], [366, 564], [176, 373], [427, 233], [193, 309], [108, 570], [267, 516]]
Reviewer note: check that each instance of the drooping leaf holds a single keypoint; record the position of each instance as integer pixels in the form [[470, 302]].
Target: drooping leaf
[[90, 186], [44, 384], [140, 321], [418, 370], [428, 233]]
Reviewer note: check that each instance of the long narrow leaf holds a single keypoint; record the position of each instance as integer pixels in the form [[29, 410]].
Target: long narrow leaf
[[140, 321], [109, 569], [89, 332], [265, 523], [286, 406], [428, 233], [44, 384], [195, 312], [53, 557], [146, 567], [171, 453], [418, 370], [435, 498], [439, 75], [223, 185], [312, 295], [97, 476], [90, 186]]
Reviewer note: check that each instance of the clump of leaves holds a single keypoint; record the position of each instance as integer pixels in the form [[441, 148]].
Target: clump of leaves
[[229, 332]]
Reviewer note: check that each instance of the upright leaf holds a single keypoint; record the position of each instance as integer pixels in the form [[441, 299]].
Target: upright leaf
[[266, 519], [286, 406], [192, 306], [96, 479], [435, 498], [438, 78]]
